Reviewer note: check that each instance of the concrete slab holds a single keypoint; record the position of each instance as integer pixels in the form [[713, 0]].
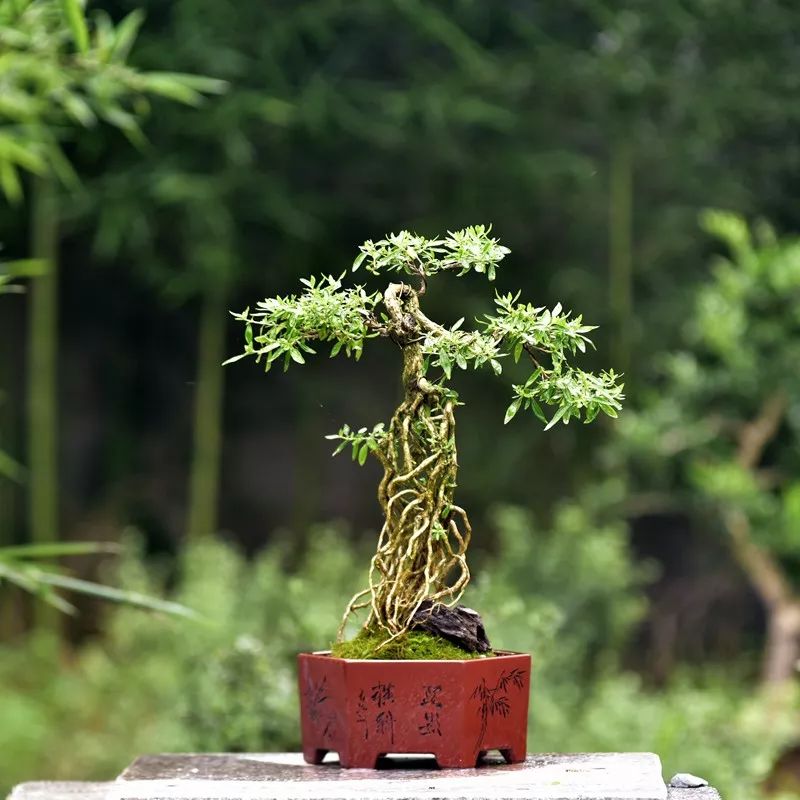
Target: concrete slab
[[704, 793], [57, 790], [284, 776]]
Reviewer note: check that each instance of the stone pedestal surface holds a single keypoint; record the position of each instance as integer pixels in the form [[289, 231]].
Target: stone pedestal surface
[[284, 776]]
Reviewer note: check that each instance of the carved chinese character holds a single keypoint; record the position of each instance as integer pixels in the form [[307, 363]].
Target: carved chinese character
[[361, 713], [432, 696], [431, 725], [384, 723], [382, 694]]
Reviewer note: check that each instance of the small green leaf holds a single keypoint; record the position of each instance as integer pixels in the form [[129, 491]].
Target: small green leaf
[[362, 454], [73, 11], [232, 359], [556, 417], [537, 409], [512, 411], [446, 364]]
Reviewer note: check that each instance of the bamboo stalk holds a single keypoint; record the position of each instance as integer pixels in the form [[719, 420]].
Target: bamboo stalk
[[42, 428], [207, 438], [42, 368], [9, 489], [620, 241]]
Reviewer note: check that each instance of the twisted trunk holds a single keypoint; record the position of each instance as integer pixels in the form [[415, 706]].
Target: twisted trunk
[[424, 535]]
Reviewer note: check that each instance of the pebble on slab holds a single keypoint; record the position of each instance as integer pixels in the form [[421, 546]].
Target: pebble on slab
[[685, 780]]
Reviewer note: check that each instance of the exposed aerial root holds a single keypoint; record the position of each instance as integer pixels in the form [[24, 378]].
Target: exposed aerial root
[[421, 553]]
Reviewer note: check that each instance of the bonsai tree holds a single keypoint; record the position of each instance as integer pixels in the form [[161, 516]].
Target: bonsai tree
[[422, 547]]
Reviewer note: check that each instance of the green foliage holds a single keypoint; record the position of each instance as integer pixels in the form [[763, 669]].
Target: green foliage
[[411, 646], [157, 683], [570, 594], [59, 70], [702, 722], [324, 312], [468, 250], [568, 591], [238, 698], [362, 442], [447, 348], [741, 347], [284, 327], [524, 328]]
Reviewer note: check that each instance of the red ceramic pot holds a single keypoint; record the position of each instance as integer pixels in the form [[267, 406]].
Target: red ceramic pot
[[456, 710]]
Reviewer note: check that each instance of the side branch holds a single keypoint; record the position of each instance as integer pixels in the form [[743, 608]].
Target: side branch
[[763, 570]]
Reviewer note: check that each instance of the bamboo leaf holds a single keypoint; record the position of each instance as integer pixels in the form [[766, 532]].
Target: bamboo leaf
[[73, 11], [57, 550], [29, 584], [11, 469], [125, 35], [113, 595], [188, 89], [9, 182]]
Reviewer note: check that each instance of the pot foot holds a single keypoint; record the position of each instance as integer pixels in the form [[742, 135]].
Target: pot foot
[[359, 761], [314, 755], [513, 755]]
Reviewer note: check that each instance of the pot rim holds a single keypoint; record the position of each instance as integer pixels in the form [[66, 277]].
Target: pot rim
[[498, 655]]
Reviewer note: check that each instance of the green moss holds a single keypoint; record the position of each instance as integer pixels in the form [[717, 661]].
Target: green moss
[[411, 646]]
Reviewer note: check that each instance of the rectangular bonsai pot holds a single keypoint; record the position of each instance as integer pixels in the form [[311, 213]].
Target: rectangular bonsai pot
[[456, 710]]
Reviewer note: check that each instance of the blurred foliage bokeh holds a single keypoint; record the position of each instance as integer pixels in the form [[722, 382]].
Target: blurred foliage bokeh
[[163, 163]]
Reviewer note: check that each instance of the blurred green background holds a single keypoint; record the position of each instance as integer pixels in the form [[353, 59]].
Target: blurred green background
[[651, 565]]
